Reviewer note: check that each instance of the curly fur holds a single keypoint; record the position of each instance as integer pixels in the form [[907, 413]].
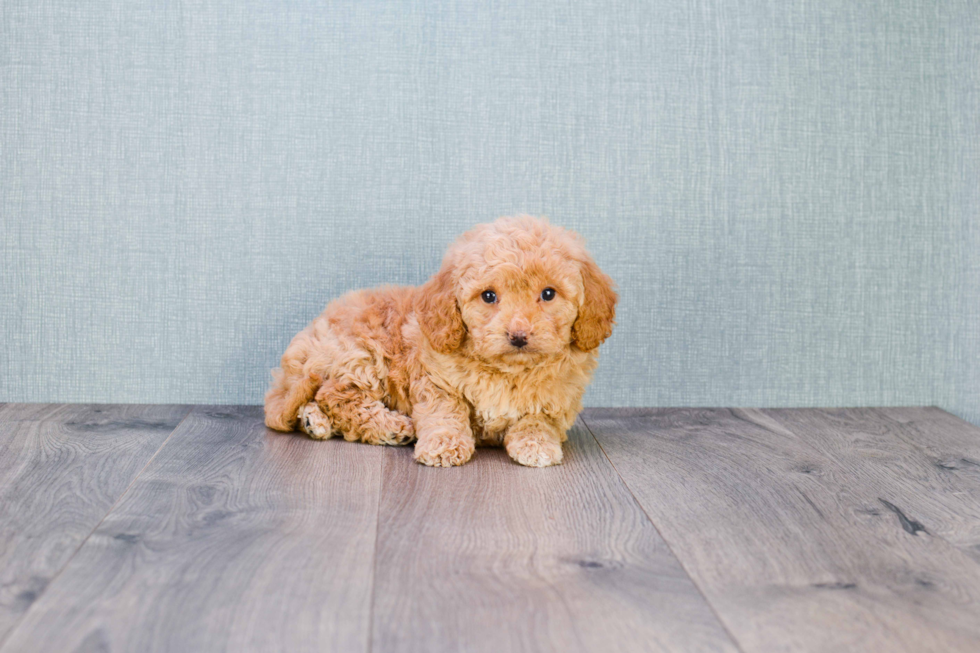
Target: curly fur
[[436, 363]]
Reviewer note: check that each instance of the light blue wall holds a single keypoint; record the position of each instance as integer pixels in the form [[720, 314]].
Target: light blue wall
[[787, 193]]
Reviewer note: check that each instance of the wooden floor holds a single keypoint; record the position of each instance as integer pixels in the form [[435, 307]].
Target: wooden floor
[[179, 528]]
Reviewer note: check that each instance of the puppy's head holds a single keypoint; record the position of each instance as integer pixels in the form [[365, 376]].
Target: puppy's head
[[514, 291]]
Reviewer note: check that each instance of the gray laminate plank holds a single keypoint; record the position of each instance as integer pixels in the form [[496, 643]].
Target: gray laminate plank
[[62, 467], [922, 461], [24, 412], [492, 556], [48, 411], [787, 536], [234, 538], [953, 443]]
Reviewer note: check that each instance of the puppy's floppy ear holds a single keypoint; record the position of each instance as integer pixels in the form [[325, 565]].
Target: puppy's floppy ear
[[598, 310], [438, 314]]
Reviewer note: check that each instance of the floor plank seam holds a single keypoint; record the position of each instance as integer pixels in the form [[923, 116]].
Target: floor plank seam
[[374, 559], [680, 562], [23, 617]]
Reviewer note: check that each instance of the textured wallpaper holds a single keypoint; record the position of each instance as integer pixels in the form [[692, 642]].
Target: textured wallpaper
[[786, 193]]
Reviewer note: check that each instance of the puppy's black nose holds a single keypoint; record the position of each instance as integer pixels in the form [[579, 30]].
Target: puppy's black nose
[[517, 338]]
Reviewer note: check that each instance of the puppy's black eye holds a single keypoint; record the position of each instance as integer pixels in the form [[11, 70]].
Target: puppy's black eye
[[548, 294], [489, 296]]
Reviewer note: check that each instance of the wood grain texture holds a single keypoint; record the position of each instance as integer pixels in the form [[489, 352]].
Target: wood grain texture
[[493, 556], [924, 462], [61, 470], [936, 430], [235, 538], [29, 412], [951, 443], [49, 411], [797, 540]]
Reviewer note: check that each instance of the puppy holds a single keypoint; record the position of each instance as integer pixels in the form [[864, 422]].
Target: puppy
[[496, 348]]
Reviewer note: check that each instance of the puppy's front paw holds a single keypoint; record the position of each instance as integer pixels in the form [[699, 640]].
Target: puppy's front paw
[[534, 451], [444, 449], [313, 422]]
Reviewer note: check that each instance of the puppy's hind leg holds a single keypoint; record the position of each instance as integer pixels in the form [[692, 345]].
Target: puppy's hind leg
[[290, 390], [361, 416]]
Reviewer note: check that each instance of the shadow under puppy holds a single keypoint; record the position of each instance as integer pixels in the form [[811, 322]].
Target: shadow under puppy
[[496, 348]]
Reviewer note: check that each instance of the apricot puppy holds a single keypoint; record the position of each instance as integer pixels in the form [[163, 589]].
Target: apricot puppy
[[496, 348]]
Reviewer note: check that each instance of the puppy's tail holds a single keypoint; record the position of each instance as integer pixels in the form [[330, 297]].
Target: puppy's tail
[[284, 398]]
